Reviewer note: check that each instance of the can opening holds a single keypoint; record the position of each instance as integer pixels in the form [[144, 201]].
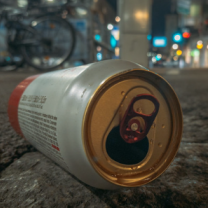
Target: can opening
[[123, 152], [115, 159]]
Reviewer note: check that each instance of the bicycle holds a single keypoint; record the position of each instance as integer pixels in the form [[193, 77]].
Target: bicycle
[[47, 42]]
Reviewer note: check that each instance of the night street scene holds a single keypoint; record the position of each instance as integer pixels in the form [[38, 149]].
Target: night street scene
[[104, 103]]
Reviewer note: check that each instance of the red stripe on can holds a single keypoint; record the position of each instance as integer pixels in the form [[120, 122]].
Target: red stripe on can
[[55, 147], [14, 103]]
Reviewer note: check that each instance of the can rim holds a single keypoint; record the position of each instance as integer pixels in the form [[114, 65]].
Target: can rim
[[106, 84]]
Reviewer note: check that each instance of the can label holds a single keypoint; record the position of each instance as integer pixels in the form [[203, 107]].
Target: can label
[[40, 129], [37, 115]]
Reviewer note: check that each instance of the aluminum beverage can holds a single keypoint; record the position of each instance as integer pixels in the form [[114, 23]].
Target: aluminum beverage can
[[111, 124]]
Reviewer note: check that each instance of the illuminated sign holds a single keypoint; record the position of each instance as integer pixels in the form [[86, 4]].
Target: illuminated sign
[[159, 41]]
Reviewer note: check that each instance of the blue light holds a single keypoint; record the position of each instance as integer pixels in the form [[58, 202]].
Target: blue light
[[115, 27], [99, 56], [113, 41], [8, 58], [149, 37], [177, 37], [78, 63], [159, 41], [97, 37], [158, 57]]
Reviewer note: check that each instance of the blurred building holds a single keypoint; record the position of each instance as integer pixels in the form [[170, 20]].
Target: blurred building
[[183, 28], [192, 18]]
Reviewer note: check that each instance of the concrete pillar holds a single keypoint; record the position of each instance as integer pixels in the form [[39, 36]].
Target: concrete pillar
[[202, 56], [134, 27]]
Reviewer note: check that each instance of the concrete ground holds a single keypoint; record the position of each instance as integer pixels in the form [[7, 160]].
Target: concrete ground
[[29, 179]]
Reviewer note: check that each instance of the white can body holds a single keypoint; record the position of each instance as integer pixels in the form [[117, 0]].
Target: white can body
[[51, 111]]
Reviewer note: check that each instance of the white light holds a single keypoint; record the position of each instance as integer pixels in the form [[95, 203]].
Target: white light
[[118, 19], [175, 46], [200, 42], [110, 26], [154, 60], [159, 56]]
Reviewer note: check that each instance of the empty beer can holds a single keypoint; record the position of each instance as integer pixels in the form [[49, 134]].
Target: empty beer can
[[111, 124]]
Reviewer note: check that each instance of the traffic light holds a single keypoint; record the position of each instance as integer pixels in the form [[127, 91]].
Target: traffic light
[[186, 35], [177, 37], [179, 52], [199, 44]]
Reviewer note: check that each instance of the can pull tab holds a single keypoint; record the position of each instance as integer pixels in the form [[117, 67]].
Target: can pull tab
[[130, 128]]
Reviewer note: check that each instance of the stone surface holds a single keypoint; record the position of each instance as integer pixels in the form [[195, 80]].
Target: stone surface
[[12, 146], [29, 179], [35, 181]]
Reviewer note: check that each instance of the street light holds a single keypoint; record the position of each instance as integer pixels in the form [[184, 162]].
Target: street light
[[154, 60], [118, 19], [110, 26], [200, 44], [175, 46], [179, 52]]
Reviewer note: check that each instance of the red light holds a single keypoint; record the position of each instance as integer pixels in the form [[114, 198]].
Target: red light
[[186, 35], [206, 22]]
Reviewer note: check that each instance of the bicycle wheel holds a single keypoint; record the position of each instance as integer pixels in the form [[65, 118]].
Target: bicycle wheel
[[52, 43]]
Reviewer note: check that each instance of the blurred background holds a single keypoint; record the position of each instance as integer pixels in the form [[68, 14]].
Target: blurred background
[[168, 36], [55, 34]]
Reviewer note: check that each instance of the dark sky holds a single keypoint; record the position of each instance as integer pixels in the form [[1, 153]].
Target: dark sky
[[159, 11]]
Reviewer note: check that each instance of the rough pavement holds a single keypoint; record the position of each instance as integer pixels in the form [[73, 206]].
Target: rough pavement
[[29, 179], [11, 145]]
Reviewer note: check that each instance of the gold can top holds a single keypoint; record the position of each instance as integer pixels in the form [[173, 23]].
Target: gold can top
[[132, 163]]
